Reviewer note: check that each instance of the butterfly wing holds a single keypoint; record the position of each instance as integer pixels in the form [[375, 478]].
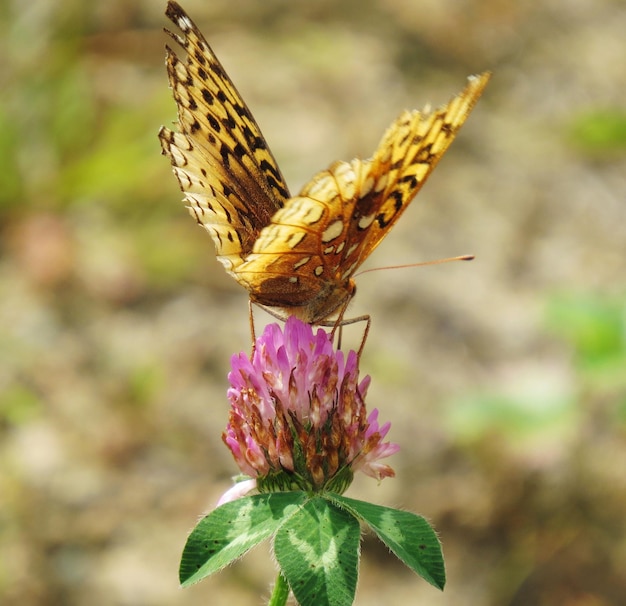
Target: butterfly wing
[[406, 156], [304, 260], [289, 262], [229, 176]]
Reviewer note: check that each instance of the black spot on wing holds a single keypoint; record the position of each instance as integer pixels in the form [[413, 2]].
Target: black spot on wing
[[199, 57], [229, 122], [239, 151], [382, 219], [215, 125], [448, 129], [225, 154], [410, 179]]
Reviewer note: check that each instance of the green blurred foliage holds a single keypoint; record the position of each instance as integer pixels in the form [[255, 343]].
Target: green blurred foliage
[[594, 327], [599, 133], [73, 145], [19, 405], [517, 417], [593, 330]]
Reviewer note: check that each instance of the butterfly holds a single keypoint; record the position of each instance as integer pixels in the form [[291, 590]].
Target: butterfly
[[296, 255]]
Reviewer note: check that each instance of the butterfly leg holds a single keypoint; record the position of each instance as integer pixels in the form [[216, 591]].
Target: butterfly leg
[[366, 332], [339, 335], [340, 323], [252, 330], [368, 322]]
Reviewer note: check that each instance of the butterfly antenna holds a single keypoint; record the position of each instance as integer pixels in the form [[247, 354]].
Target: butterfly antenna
[[423, 264]]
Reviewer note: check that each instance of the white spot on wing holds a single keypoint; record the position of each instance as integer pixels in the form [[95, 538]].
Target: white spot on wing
[[349, 271], [184, 23], [302, 262], [367, 186], [295, 238], [334, 230], [381, 183], [352, 249], [365, 222]]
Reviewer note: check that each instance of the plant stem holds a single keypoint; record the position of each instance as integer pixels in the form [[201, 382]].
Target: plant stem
[[280, 593]]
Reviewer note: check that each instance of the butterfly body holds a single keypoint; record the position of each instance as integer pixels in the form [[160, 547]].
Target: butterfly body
[[295, 255]]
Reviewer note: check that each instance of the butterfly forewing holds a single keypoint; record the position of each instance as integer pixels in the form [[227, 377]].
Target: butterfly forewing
[[406, 156], [223, 164], [294, 254]]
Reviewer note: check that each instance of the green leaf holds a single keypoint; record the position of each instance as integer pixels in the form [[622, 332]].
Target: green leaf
[[232, 529], [318, 553], [409, 536]]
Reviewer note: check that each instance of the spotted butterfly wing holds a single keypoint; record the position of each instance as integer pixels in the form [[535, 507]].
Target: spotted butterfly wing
[[220, 158], [298, 254]]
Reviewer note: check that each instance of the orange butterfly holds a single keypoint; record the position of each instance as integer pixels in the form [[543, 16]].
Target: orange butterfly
[[294, 255]]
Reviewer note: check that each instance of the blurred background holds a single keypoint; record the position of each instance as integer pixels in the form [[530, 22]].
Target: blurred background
[[504, 378]]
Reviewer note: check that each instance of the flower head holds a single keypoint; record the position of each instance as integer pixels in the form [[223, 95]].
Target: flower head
[[298, 417]]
